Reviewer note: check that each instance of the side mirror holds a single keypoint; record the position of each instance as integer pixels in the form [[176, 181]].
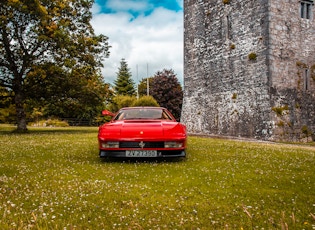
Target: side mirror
[[107, 113]]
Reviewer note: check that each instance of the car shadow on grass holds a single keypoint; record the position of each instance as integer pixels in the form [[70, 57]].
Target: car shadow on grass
[[142, 160]]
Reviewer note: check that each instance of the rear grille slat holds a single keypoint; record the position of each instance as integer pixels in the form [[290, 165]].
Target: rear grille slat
[[138, 144]]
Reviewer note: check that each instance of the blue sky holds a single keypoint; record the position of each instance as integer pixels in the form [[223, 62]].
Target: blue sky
[[148, 34], [138, 7]]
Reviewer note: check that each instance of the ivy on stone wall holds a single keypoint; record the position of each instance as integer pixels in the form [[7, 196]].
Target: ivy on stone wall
[[252, 56], [280, 110]]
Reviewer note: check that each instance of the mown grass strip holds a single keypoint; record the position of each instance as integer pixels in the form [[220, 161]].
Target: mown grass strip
[[52, 178]]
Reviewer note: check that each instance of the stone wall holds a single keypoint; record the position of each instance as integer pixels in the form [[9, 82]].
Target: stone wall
[[292, 49], [243, 64]]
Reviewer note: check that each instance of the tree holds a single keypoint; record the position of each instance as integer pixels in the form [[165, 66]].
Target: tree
[[124, 85], [37, 33], [6, 108], [167, 91], [143, 86], [85, 95]]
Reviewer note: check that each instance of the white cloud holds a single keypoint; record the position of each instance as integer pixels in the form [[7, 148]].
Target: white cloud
[[96, 8], [155, 40]]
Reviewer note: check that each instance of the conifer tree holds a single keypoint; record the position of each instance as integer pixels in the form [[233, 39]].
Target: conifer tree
[[124, 84]]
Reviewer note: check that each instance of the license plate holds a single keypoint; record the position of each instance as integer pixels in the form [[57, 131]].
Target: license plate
[[141, 153]]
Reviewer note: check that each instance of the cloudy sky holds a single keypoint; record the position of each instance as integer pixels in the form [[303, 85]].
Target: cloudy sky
[[148, 34]]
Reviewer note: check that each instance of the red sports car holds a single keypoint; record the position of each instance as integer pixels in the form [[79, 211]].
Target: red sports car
[[142, 132]]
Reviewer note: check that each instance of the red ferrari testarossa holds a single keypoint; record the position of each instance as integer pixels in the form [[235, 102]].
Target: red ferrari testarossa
[[142, 132]]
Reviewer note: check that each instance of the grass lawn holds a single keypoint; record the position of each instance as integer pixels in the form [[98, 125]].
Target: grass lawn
[[52, 178]]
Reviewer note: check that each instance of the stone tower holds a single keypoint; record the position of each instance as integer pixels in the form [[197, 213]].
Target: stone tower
[[249, 68]]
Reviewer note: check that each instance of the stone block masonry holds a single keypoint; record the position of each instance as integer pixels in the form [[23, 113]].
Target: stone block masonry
[[249, 69]]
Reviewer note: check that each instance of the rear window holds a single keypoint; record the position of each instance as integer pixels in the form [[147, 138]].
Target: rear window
[[142, 113]]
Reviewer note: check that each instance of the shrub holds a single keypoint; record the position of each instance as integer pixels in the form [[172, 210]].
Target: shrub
[[50, 123], [145, 101], [121, 101]]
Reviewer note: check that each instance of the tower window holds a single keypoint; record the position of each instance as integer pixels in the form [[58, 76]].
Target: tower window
[[306, 79], [306, 8], [228, 27]]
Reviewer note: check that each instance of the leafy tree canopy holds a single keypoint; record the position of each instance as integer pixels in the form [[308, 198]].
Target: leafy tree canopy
[[167, 91], [124, 84], [76, 95], [7, 110], [35, 34]]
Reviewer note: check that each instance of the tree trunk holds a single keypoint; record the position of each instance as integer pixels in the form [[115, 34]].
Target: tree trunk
[[20, 113]]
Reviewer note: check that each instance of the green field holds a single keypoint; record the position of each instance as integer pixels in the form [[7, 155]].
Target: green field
[[52, 178]]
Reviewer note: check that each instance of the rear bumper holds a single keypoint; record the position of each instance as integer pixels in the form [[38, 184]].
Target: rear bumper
[[160, 153]]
